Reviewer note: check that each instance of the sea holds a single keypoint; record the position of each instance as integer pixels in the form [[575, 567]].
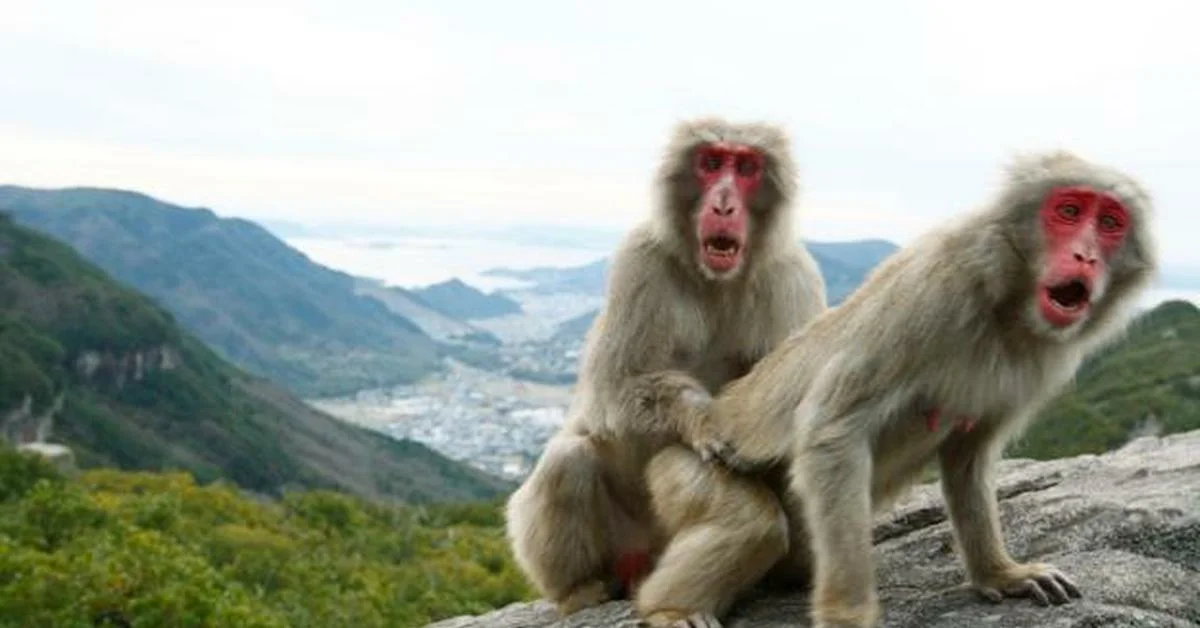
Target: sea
[[414, 262]]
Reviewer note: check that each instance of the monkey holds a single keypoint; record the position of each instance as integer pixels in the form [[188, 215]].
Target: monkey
[[697, 292], [983, 320]]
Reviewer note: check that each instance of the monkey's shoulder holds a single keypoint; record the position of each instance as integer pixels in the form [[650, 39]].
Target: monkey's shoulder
[[793, 280]]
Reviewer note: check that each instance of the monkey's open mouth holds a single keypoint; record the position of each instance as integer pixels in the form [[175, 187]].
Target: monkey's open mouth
[[722, 246], [722, 252], [1071, 295]]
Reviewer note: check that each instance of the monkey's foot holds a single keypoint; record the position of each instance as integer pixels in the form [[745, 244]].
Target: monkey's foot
[[1044, 583], [680, 619], [589, 594]]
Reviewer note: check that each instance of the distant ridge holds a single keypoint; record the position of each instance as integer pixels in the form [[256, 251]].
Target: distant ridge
[[90, 363], [843, 265], [260, 303], [458, 300]]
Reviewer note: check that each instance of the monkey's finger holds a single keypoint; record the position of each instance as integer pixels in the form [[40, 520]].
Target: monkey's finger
[[1058, 594], [1031, 589], [1068, 584], [992, 595]]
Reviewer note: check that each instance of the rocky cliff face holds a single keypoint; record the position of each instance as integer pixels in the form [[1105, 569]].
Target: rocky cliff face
[[127, 366], [22, 425], [1125, 526]]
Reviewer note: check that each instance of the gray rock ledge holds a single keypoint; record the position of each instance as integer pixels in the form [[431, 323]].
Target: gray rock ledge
[[1124, 525]]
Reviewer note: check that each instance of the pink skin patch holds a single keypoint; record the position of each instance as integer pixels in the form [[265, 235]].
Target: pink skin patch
[[632, 567], [1082, 228], [962, 423], [729, 176]]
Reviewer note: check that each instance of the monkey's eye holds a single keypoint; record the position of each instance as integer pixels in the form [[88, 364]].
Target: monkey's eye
[[1069, 210], [1109, 222], [711, 162], [747, 167]]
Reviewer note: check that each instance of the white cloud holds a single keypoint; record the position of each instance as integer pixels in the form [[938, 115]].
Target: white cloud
[[537, 110]]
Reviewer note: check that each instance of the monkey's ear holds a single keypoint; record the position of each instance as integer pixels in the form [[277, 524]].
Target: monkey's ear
[[1038, 165]]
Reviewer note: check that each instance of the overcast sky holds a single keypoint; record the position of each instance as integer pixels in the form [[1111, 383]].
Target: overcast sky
[[523, 111]]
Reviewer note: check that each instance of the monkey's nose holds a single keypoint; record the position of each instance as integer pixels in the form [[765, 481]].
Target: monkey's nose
[[723, 209]]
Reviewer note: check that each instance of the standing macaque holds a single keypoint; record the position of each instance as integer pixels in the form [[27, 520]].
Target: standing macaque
[[710, 283], [982, 322]]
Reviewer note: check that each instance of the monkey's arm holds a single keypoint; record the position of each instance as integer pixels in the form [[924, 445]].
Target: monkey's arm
[[753, 415], [968, 484], [631, 365]]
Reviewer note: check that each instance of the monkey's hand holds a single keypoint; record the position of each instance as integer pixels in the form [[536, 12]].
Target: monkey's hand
[[1044, 583], [702, 435], [722, 452], [704, 438]]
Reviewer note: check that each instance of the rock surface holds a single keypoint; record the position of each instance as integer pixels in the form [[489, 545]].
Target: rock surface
[[1124, 525]]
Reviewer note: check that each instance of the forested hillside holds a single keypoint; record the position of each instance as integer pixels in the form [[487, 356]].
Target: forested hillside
[[1148, 383], [141, 550], [261, 304], [93, 364]]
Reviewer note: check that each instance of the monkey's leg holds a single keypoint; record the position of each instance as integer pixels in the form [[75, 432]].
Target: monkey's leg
[[726, 531], [968, 485], [794, 570], [832, 473], [557, 525]]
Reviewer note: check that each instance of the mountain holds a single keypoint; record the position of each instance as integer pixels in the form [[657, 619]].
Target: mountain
[[460, 301], [261, 304], [576, 327], [90, 363], [844, 265], [437, 325], [1146, 384], [586, 279]]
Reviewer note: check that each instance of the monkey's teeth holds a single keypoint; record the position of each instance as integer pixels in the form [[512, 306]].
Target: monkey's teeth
[[722, 246]]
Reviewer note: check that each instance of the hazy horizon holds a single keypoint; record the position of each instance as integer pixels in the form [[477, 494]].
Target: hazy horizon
[[537, 112]]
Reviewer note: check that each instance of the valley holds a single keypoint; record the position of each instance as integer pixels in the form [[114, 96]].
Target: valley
[[474, 359]]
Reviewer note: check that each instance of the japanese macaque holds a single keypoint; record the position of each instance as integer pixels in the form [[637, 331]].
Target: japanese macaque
[[979, 323], [710, 283]]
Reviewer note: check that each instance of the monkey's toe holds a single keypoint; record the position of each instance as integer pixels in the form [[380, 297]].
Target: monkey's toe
[[680, 619], [698, 620], [590, 594], [1045, 584]]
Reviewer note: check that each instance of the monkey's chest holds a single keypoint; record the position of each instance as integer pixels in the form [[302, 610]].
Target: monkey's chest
[[990, 382], [714, 368]]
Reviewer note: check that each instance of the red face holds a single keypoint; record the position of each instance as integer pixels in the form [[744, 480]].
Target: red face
[[729, 176], [1083, 229]]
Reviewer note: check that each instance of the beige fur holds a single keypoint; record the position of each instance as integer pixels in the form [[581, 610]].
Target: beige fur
[[946, 323], [669, 336]]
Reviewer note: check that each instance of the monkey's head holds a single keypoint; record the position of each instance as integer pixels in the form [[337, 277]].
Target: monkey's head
[[1083, 233], [726, 191]]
